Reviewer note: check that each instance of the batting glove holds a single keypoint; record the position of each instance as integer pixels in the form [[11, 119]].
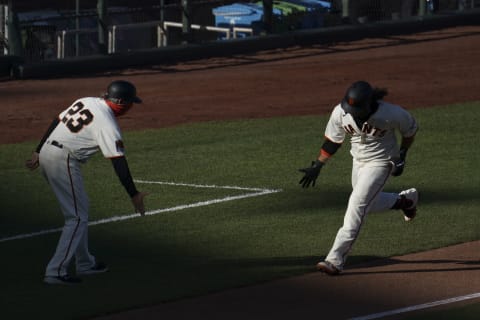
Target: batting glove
[[399, 164], [311, 174]]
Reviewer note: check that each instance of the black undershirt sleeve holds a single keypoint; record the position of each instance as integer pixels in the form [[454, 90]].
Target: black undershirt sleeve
[[123, 172], [330, 147], [50, 129]]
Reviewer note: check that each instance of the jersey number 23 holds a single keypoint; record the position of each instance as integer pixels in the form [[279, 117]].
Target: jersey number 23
[[77, 117]]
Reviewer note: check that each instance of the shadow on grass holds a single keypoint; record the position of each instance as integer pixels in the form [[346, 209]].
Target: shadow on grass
[[430, 195], [306, 264], [415, 266]]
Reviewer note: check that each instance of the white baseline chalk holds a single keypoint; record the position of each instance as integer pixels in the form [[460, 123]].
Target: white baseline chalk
[[180, 184], [418, 307], [255, 192]]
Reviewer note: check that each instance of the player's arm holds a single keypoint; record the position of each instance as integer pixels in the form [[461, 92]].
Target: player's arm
[[333, 132], [50, 129], [399, 164], [33, 163], [334, 135], [406, 143], [123, 172], [329, 148], [408, 129]]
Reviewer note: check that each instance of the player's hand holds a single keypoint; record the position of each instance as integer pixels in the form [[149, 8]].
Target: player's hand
[[34, 161], [311, 174], [398, 167], [399, 164], [138, 204]]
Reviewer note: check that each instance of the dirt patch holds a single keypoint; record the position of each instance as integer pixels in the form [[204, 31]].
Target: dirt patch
[[386, 285], [423, 70]]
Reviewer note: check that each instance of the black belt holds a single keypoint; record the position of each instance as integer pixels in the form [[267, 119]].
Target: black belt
[[56, 144]]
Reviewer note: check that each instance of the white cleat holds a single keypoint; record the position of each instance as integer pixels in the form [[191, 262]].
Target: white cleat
[[328, 268], [410, 197]]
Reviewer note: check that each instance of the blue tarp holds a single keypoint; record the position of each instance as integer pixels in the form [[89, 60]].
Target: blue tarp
[[250, 15], [247, 15]]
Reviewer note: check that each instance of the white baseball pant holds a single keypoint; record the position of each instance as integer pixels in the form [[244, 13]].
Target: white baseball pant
[[63, 174], [368, 181]]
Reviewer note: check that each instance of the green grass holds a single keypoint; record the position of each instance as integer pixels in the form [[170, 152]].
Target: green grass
[[200, 250]]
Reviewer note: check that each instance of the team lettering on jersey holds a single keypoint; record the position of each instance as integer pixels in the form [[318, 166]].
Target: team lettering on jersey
[[367, 129]]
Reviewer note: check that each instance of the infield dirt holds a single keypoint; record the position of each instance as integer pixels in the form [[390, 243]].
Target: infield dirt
[[362, 290], [422, 70]]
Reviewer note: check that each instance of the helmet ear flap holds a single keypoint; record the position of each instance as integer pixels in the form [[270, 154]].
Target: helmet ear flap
[[117, 101]]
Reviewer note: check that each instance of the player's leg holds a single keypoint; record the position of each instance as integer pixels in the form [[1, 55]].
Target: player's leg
[[406, 201], [368, 182], [85, 262], [83, 259], [63, 175], [384, 201]]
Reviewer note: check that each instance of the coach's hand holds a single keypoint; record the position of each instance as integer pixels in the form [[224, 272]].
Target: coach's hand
[[138, 204], [311, 174], [34, 162]]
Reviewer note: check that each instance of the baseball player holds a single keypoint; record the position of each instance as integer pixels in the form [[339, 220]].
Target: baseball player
[[371, 124], [85, 127]]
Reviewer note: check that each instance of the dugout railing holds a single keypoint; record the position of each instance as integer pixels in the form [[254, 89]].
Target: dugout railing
[[132, 30], [161, 34], [59, 33]]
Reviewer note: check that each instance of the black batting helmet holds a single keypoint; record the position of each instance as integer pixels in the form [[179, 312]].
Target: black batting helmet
[[122, 92], [358, 99]]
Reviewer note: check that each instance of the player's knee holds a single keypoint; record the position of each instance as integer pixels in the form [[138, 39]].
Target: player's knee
[[76, 220], [349, 233]]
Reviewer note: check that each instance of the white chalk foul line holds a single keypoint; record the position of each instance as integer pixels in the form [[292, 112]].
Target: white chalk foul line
[[418, 307], [255, 192], [212, 186]]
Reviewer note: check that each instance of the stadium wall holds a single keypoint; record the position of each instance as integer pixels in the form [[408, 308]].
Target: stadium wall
[[14, 67]]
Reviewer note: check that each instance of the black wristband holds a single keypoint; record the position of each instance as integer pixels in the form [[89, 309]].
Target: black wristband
[[330, 147]]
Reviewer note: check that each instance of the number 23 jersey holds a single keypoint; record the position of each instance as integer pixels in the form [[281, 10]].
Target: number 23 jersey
[[87, 126]]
